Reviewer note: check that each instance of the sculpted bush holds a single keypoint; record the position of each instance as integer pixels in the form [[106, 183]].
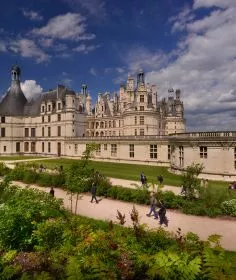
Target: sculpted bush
[[229, 207]]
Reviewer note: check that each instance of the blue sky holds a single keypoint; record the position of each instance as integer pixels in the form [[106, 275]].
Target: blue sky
[[188, 44]]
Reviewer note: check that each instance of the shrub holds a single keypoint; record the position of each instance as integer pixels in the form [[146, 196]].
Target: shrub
[[229, 207], [30, 177]]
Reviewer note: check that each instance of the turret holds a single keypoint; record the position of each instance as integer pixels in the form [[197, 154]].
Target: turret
[[15, 73], [177, 94], [88, 104], [140, 77]]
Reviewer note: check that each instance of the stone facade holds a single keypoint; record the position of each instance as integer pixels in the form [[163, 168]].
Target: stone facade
[[131, 126]]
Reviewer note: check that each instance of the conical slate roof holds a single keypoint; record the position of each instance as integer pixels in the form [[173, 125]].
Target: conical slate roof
[[14, 101]]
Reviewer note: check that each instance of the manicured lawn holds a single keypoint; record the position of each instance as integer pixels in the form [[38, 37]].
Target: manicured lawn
[[129, 171], [3, 158]]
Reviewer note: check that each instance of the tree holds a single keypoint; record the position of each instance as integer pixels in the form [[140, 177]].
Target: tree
[[191, 183], [80, 175]]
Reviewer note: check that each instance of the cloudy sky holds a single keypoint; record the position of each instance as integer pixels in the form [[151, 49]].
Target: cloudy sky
[[188, 44]]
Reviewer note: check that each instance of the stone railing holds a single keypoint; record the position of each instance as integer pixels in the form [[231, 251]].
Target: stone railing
[[206, 134], [118, 138]]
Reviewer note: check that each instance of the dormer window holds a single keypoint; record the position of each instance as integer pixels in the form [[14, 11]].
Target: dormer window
[[59, 106], [49, 108], [42, 109], [141, 98]]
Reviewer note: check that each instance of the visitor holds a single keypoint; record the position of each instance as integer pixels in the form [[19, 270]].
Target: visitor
[[52, 192], [206, 183], [160, 179], [142, 178], [94, 192], [153, 205], [61, 169], [162, 214], [41, 168]]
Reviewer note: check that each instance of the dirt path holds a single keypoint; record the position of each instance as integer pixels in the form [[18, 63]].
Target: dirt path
[[107, 210]]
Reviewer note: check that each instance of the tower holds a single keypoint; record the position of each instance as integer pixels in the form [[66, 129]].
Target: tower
[[140, 77], [15, 73]]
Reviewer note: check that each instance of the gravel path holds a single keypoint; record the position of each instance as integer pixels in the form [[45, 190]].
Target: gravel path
[[106, 209]]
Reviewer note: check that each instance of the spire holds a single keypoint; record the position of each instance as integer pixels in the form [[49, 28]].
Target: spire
[[15, 73], [140, 77]]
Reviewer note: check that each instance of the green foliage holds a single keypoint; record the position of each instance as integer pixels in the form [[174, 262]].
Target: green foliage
[[49, 234], [229, 207], [170, 265], [21, 210], [191, 183]]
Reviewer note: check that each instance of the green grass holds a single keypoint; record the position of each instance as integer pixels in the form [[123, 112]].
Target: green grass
[[129, 171], [3, 158]]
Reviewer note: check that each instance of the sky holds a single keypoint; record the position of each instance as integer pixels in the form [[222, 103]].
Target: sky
[[185, 44]]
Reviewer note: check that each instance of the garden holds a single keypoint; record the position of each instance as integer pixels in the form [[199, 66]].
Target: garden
[[40, 240]]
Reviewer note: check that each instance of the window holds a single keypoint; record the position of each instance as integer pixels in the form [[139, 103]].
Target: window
[[141, 119], [42, 109], [131, 150], [49, 147], [58, 131], [49, 118], [141, 98], [26, 146], [141, 131], [153, 151], [109, 123], [17, 147], [49, 108], [43, 119], [135, 132], [32, 132], [98, 150], [59, 117], [43, 131], [59, 106], [49, 131], [203, 152], [114, 133], [4, 148], [141, 108], [42, 147], [135, 120], [181, 155], [33, 145], [3, 132], [105, 147], [113, 150], [114, 123], [26, 132], [169, 152], [3, 119]]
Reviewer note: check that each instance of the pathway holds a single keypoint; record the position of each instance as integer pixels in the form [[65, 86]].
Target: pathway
[[107, 210]]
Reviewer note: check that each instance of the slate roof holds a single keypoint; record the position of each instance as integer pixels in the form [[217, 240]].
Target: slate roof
[[14, 101]]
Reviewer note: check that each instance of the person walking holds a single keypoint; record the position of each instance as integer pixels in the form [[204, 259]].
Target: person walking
[[153, 205], [160, 179], [162, 214], [94, 192], [52, 192], [142, 178]]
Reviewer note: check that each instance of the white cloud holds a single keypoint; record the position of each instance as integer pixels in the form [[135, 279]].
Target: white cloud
[[93, 7], [204, 69], [120, 70], [31, 89], [3, 47], [28, 48], [70, 26], [92, 71], [214, 3], [85, 49], [33, 15]]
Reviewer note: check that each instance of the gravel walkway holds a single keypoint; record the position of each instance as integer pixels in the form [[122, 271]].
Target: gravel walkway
[[106, 209]]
